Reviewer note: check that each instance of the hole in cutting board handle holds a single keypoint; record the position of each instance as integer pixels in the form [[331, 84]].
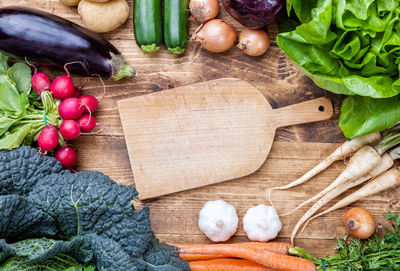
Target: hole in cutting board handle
[[321, 108]]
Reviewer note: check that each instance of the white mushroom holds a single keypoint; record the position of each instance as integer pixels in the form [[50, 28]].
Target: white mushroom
[[218, 220], [261, 223]]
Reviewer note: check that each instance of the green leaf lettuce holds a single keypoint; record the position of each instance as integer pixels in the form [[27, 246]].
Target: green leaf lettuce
[[350, 47]]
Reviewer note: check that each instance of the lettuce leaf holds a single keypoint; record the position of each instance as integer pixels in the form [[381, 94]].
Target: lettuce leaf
[[350, 47], [364, 115]]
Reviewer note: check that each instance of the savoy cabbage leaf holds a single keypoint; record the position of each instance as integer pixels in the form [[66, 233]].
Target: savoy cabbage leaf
[[89, 217], [20, 219], [161, 257], [109, 255], [59, 263], [40, 249], [90, 202], [21, 168]]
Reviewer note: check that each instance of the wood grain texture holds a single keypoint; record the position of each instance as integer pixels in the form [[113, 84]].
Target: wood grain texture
[[296, 148], [204, 133]]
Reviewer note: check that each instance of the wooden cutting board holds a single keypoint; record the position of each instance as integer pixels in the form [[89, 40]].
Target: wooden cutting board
[[204, 133]]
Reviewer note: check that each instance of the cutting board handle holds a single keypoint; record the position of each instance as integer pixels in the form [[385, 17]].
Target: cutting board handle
[[309, 111]]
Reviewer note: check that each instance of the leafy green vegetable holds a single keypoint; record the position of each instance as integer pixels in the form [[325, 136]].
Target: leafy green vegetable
[[363, 115], [13, 140], [350, 47], [22, 168], [10, 100], [40, 249], [22, 114], [84, 202], [371, 254], [3, 64], [47, 211], [21, 75], [60, 262], [21, 219]]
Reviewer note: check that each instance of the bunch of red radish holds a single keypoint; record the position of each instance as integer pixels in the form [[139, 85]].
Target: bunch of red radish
[[75, 110]]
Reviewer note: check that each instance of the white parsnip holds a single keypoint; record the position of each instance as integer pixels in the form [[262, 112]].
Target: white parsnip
[[341, 152], [384, 181], [385, 164], [362, 162]]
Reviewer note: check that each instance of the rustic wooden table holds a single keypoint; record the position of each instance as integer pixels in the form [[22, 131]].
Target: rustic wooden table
[[296, 148]]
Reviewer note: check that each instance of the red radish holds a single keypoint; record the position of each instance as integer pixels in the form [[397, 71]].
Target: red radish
[[48, 138], [70, 129], [77, 93], [70, 108], [90, 101], [40, 82], [63, 87], [87, 123], [67, 156]]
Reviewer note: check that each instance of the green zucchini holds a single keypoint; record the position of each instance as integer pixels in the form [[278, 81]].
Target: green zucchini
[[148, 25], [176, 25]]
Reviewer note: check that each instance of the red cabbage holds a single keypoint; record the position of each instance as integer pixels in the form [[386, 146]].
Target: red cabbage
[[253, 13]]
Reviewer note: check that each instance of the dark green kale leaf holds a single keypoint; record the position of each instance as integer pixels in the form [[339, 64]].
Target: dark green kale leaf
[[110, 256], [161, 257], [90, 202], [89, 214], [21, 168], [20, 219]]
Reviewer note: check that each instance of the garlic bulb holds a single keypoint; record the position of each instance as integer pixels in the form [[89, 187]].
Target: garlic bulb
[[261, 223], [218, 220]]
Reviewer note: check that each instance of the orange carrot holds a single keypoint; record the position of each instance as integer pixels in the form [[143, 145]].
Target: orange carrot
[[272, 260], [199, 257], [275, 247], [227, 265]]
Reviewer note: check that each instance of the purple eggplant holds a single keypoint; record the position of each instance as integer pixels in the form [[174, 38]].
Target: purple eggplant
[[43, 37]]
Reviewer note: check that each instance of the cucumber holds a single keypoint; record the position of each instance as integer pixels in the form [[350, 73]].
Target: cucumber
[[176, 25], [148, 25]]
